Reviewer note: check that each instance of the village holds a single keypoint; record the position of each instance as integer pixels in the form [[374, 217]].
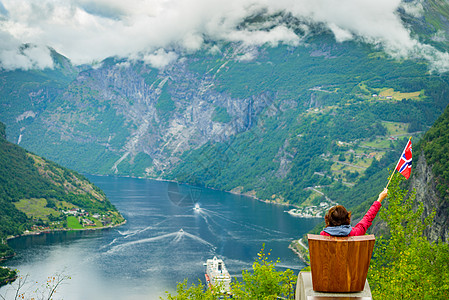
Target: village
[[73, 218], [313, 211], [84, 220]]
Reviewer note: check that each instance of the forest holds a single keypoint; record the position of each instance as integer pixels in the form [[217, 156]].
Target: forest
[[25, 178]]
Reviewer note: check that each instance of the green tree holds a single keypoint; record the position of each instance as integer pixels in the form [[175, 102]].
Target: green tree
[[263, 283], [197, 292], [406, 265]]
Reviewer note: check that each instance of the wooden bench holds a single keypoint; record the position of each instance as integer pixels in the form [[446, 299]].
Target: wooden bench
[[340, 264]]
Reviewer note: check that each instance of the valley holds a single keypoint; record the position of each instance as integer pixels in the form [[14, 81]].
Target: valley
[[288, 119], [169, 106]]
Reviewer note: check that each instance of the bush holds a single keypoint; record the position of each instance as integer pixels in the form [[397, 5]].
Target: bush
[[263, 283], [197, 292], [407, 266], [6, 251]]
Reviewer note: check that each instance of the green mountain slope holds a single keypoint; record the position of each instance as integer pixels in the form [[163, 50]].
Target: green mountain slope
[[324, 128], [432, 26], [435, 146], [429, 180], [289, 119], [36, 193], [290, 124]]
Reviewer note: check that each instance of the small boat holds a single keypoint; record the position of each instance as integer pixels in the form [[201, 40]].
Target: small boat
[[197, 206], [217, 274]]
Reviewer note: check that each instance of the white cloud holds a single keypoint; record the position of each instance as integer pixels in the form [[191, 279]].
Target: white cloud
[[413, 8], [273, 37], [248, 56], [160, 58], [91, 30], [14, 55], [340, 34]]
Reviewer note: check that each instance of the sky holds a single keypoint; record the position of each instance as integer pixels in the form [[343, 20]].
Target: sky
[[156, 31]]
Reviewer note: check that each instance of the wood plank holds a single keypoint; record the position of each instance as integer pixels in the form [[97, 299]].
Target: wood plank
[[340, 264]]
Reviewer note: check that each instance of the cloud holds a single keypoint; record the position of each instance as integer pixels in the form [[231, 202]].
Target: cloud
[[273, 37], [340, 34], [160, 58], [14, 55], [87, 31]]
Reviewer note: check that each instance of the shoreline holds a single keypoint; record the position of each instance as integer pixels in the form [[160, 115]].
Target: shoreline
[[301, 255], [39, 232], [13, 274], [198, 186]]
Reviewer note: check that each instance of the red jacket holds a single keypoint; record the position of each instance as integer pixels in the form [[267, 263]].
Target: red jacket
[[364, 224]]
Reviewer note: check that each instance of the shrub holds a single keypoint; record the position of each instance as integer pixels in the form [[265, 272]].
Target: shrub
[[407, 266], [263, 283]]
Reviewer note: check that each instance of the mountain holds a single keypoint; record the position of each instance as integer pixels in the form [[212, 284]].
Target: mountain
[[304, 124], [431, 181], [432, 25], [37, 194]]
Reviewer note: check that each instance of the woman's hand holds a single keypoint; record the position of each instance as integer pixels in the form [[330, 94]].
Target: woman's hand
[[382, 195]]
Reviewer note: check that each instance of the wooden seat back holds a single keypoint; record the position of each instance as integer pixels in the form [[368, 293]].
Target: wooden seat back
[[339, 264]]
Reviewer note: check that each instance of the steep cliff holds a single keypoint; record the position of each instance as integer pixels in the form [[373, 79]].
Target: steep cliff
[[425, 184], [431, 179]]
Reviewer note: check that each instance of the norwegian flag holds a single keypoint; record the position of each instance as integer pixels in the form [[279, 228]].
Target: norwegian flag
[[404, 165]]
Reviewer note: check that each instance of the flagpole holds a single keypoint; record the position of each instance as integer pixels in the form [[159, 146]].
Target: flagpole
[[391, 177]]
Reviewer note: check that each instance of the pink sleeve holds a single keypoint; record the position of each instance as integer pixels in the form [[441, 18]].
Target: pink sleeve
[[367, 220]]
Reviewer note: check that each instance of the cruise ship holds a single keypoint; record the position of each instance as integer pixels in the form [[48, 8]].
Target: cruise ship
[[217, 274]]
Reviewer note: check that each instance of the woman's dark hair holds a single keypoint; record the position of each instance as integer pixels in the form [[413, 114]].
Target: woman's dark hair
[[337, 215]]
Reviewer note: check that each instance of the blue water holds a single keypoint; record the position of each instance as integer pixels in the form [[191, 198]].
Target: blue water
[[164, 241]]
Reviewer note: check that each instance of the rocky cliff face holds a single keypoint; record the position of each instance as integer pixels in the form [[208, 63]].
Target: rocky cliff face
[[426, 193], [129, 112], [272, 125]]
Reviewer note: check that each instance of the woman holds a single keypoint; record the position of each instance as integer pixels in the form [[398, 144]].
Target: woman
[[338, 219]]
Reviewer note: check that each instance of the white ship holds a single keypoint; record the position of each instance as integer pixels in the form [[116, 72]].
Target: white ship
[[217, 274]]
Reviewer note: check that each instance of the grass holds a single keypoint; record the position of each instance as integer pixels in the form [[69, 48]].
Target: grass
[[396, 128], [389, 92], [377, 143], [97, 222], [72, 222], [309, 200], [65, 205], [361, 159], [35, 208], [364, 151], [396, 95], [364, 88]]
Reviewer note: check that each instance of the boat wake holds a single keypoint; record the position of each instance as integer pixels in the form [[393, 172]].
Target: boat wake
[[141, 241], [110, 244], [253, 227], [198, 239], [128, 234], [206, 216], [177, 237]]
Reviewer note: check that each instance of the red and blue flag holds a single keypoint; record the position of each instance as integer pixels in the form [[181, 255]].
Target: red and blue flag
[[404, 165]]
